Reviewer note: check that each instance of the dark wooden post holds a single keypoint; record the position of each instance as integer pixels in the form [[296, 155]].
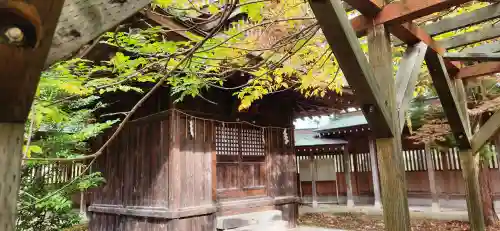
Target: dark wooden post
[[432, 177], [470, 171], [313, 179], [347, 171], [374, 168], [22, 57], [389, 149]]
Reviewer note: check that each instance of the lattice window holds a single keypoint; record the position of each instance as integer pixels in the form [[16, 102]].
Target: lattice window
[[240, 160], [227, 141], [252, 142]]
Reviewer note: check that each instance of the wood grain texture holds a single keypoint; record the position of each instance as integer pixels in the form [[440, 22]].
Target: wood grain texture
[[21, 67], [460, 21], [392, 177], [478, 70], [449, 99], [486, 132], [84, 20], [11, 142], [393, 182], [462, 56], [406, 78], [470, 171], [345, 45], [485, 33], [403, 11]]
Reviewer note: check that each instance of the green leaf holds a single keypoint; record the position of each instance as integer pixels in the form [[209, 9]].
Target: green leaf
[[213, 9]]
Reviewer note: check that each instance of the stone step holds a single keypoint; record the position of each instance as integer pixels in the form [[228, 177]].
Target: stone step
[[268, 226], [248, 219]]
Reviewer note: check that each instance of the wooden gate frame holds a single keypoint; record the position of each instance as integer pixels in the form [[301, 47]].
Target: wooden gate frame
[[384, 109]]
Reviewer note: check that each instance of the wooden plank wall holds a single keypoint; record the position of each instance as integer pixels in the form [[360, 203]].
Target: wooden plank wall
[[157, 164], [282, 170]]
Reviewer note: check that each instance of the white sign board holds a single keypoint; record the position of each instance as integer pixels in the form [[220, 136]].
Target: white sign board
[[325, 170]]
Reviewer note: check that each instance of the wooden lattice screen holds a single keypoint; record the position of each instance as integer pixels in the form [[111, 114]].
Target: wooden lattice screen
[[241, 158]]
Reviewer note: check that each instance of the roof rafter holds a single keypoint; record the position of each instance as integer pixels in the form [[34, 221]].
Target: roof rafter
[[462, 56], [480, 35], [461, 21], [399, 12], [478, 70], [408, 32]]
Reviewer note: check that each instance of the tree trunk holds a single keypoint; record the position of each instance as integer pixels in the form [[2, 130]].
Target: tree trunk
[[489, 213]]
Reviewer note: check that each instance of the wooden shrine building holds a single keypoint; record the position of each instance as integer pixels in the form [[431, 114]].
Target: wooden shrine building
[[172, 148]]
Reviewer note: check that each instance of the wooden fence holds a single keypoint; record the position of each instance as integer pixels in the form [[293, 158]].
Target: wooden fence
[[449, 181], [55, 173]]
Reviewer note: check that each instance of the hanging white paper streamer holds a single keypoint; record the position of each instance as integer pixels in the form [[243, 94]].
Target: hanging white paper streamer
[[285, 137], [191, 128]]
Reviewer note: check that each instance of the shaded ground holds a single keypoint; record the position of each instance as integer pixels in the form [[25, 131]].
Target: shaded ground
[[360, 222]]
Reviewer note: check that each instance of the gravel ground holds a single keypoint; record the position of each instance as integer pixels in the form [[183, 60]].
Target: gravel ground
[[360, 222]]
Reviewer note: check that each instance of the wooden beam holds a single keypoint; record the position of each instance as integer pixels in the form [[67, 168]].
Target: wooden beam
[[407, 76], [20, 67], [478, 70], [11, 143], [460, 21], [470, 168], [368, 8], [392, 175], [485, 33], [81, 22], [488, 130], [463, 20], [393, 182], [408, 32], [345, 45], [461, 56], [402, 11], [448, 97], [493, 47]]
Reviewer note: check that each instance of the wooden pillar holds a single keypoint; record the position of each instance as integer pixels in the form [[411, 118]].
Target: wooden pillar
[[389, 149], [432, 178], [314, 177], [470, 171], [497, 148], [347, 171], [374, 166], [11, 141]]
